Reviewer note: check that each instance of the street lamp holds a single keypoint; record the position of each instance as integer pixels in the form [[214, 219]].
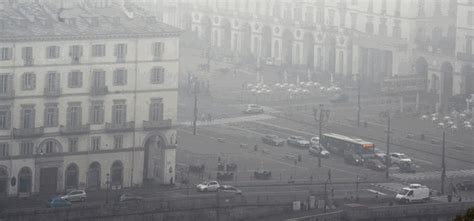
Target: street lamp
[[107, 183]]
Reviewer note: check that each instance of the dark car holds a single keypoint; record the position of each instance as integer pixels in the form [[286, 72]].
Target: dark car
[[465, 185], [274, 140], [407, 166], [57, 202], [375, 165], [229, 189], [353, 159]]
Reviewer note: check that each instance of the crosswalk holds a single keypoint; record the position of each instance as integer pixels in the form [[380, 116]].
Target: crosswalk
[[230, 120], [432, 175]]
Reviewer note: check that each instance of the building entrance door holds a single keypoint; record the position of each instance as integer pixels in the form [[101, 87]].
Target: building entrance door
[[48, 180]]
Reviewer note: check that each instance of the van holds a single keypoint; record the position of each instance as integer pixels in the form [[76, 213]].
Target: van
[[413, 193]]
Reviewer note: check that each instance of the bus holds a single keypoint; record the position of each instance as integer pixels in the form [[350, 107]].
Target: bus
[[340, 144]]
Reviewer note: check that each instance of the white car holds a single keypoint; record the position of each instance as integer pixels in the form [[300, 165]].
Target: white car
[[253, 109], [314, 140], [297, 141], [75, 196], [210, 186], [396, 158], [318, 150]]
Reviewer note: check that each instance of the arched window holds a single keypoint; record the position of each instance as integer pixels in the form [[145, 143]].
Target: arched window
[[49, 146], [72, 176], [117, 173], [24, 180]]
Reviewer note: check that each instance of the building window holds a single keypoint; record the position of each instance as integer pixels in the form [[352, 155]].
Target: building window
[[27, 117], [73, 144], [28, 81], [398, 7], [120, 51], [98, 79], [309, 14], [27, 55], [158, 50], [74, 115], [120, 77], [98, 50], [95, 143], [5, 83], [397, 31], [75, 52], [421, 8], [353, 20], [470, 18], [5, 54], [157, 75], [5, 117], [26, 148], [49, 147], [4, 149], [52, 81], [369, 26], [97, 112], [52, 52], [118, 142], [156, 109], [75, 79], [119, 112], [383, 27], [116, 175], [51, 115], [331, 14]]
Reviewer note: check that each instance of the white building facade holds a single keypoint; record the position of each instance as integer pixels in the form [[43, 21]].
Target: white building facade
[[87, 98]]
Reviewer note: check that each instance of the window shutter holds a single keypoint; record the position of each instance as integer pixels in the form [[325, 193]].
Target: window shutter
[[124, 49], [79, 80], [68, 116], [33, 81], [23, 81], [23, 53], [69, 79], [162, 48], [9, 119], [57, 50], [153, 49], [47, 51], [80, 51], [33, 118], [161, 75], [125, 76], [79, 115], [71, 48], [116, 50]]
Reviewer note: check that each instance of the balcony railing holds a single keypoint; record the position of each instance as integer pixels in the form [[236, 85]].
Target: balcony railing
[[72, 130], [27, 132], [120, 127], [29, 62], [99, 90], [157, 125], [52, 92], [8, 94], [465, 57]]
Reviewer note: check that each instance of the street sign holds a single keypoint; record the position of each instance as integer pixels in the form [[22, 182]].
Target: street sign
[[404, 84]]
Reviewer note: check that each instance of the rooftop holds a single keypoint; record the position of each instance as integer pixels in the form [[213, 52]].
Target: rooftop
[[35, 21]]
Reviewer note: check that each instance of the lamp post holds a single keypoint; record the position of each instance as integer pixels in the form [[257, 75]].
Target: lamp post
[[107, 183]]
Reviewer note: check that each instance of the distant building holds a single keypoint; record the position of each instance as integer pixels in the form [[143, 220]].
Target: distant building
[[342, 39], [465, 46], [88, 93]]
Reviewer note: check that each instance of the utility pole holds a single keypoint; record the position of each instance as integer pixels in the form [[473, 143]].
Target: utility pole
[[358, 100], [443, 164], [387, 156], [195, 106], [321, 118], [325, 195]]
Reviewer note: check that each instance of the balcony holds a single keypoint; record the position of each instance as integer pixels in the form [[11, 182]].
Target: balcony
[[52, 92], [75, 60], [99, 90], [469, 57], [157, 125], [123, 127], [27, 132], [74, 130], [28, 62], [8, 94]]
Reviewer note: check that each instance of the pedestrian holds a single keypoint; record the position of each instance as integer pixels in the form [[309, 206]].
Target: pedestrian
[[209, 117], [255, 148]]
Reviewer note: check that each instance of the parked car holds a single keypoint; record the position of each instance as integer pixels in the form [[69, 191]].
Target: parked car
[[297, 141], [230, 189], [58, 202], [395, 158], [354, 159], [375, 165], [465, 185], [208, 186], [253, 109], [125, 197], [262, 174], [75, 196], [318, 150], [274, 140]]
